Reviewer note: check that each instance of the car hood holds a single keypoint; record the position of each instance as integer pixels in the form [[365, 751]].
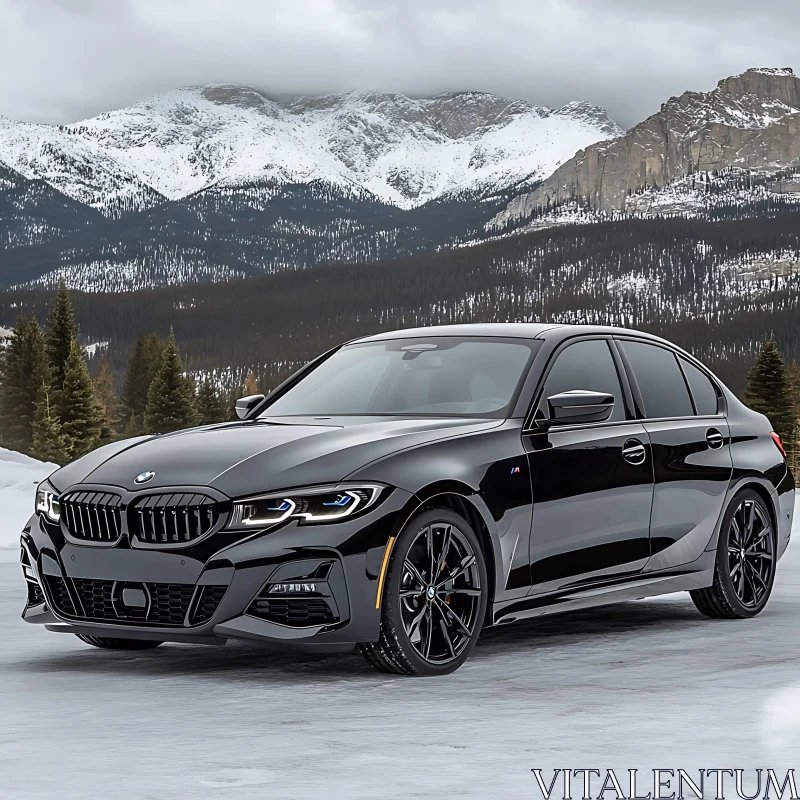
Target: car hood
[[260, 455]]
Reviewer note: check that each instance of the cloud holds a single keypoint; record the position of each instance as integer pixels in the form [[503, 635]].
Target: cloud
[[64, 60]]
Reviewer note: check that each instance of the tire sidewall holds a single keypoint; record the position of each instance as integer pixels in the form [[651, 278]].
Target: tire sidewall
[[723, 571], [392, 602]]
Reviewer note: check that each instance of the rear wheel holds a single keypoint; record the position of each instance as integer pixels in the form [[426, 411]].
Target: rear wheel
[[745, 567], [435, 597], [118, 644]]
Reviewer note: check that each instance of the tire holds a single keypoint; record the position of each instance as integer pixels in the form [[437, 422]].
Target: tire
[[429, 626], [744, 570], [106, 643]]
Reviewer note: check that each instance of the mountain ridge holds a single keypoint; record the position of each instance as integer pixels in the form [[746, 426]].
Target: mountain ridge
[[403, 151]]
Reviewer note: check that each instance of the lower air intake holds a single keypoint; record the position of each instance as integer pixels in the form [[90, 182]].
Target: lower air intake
[[296, 612], [164, 604]]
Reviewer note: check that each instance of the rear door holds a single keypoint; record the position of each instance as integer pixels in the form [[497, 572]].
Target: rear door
[[683, 416], [592, 483]]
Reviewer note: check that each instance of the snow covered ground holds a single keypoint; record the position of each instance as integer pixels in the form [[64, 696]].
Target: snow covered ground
[[19, 475], [647, 685]]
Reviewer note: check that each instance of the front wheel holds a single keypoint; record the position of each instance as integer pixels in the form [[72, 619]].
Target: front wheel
[[435, 597], [745, 567], [107, 643]]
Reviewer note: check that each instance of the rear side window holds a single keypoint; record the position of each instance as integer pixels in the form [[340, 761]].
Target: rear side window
[[660, 380], [703, 391], [585, 365]]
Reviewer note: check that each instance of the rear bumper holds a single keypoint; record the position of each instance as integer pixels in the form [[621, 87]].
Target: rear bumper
[[219, 591]]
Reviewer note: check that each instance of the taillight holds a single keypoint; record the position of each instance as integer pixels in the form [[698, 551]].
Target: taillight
[[778, 443]]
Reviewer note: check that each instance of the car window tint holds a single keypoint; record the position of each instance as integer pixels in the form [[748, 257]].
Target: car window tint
[[703, 391], [434, 376], [585, 365], [660, 380]]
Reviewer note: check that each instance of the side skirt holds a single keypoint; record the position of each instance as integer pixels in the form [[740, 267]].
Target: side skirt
[[647, 585]]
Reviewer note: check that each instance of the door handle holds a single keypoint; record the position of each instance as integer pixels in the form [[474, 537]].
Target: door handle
[[714, 438], [633, 451]]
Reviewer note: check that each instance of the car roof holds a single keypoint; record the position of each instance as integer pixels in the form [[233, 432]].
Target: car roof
[[518, 330]]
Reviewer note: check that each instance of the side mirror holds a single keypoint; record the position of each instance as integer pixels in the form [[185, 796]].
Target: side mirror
[[244, 405], [577, 407]]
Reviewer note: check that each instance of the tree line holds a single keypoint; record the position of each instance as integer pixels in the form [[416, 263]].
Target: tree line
[[52, 409]]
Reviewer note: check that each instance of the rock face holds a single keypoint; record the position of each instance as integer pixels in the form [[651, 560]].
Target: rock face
[[750, 121]]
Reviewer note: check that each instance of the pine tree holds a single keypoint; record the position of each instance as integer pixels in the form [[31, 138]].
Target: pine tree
[[49, 442], [768, 391], [793, 377], [143, 364], [62, 331], [24, 371], [209, 404], [76, 406], [106, 401], [170, 400]]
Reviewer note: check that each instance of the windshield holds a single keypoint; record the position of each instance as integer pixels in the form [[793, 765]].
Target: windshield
[[447, 376]]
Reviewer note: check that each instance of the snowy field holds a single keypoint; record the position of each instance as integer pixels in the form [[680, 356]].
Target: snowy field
[[19, 475], [650, 684]]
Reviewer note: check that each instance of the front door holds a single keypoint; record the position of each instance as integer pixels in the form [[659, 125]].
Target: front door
[[592, 484]]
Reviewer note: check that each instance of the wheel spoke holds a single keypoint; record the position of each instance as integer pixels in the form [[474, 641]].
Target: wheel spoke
[[406, 593], [412, 629], [431, 556], [465, 564], [750, 524], [736, 533], [414, 573], [736, 567], [429, 632], [752, 584], [453, 616], [440, 562], [468, 592], [443, 627], [764, 556], [757, 576]]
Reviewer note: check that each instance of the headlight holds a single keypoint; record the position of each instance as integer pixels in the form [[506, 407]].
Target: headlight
[[47, 502], [315, 505]]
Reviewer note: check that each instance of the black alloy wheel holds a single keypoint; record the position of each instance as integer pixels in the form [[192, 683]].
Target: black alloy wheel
[[435, 597], [746, 558]]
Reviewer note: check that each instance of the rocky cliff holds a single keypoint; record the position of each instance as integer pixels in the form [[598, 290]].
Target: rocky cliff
[[750, 121]]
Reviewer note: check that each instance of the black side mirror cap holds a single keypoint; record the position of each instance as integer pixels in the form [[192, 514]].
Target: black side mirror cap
[[578, 407], [244, 405]]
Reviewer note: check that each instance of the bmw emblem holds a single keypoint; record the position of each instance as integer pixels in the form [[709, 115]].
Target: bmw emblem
[[144, 477], [431, 592]]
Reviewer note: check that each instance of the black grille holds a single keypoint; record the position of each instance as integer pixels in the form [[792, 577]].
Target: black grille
[[167, 603], [297, 612], [92, 516], [173, 518], [62, 602], [96, 598], [207, 603]]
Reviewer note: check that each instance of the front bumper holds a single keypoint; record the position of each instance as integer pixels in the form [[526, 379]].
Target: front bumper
[[218, 589]]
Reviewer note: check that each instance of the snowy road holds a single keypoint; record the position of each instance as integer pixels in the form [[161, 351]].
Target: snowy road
[[650, 684]]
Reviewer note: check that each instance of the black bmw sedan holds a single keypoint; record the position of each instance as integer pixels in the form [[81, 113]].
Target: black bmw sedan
[[405, 490]]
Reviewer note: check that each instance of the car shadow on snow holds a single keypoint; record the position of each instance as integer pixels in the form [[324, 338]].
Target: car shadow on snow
[[242, 661]]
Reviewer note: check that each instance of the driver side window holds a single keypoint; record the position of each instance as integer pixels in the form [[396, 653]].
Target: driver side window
[[585, 365]]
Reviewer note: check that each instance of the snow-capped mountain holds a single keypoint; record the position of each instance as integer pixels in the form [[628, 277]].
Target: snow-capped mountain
[[748, 125], [403, 151]]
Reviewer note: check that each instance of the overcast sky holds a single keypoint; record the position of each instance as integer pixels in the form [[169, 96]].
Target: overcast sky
[[65, 60]]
